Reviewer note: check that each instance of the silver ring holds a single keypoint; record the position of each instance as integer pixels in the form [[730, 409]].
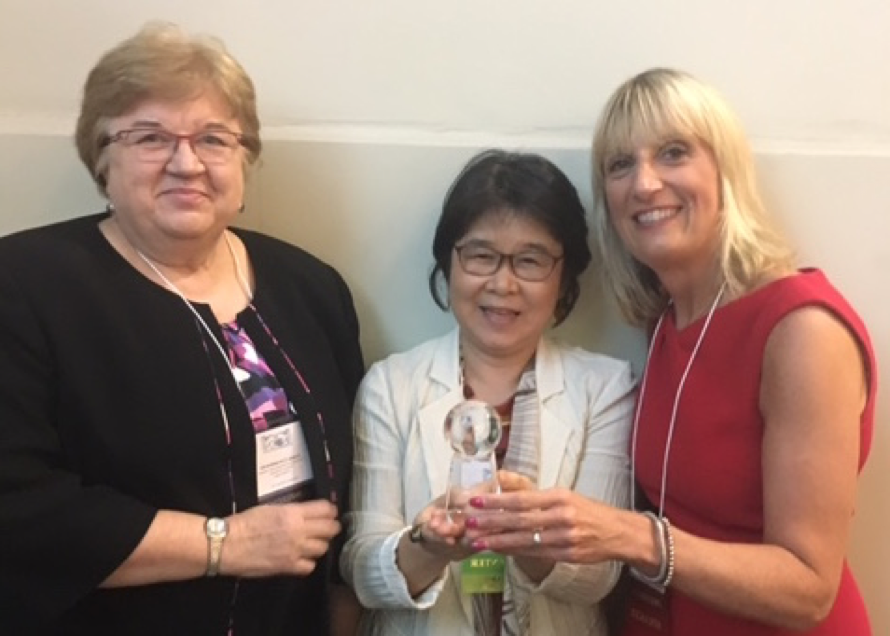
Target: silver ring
[[536, 537]]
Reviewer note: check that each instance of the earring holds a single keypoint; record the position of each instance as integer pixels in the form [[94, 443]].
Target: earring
[[109, 207], [241, 209]]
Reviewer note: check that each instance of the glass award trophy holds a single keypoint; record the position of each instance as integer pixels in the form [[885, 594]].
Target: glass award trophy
[[473, 429]]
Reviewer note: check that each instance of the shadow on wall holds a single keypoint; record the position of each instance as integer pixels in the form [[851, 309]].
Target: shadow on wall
[[43, 181]]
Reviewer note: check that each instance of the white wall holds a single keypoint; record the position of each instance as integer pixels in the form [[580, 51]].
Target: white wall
[[370, 108]]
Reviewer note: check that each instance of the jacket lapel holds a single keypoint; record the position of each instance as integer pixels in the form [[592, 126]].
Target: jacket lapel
[[556, 432], [446, 385]]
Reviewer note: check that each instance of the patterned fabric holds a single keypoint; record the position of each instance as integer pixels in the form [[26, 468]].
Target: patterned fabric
[[523, 457], [266, 400], [505, 614], [525, 435]]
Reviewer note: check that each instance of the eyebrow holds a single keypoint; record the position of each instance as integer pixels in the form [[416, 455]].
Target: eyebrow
[[524, 247], [653, 141], [150, 123]]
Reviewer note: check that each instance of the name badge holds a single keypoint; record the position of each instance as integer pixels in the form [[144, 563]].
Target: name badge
[[282, 462], [483, 573], [648, 610]]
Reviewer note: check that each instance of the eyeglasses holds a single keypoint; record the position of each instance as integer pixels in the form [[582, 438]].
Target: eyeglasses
[[156, 145], [532, 266]]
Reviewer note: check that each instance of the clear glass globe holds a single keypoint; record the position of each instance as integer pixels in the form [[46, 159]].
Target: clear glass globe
[[473, 429]]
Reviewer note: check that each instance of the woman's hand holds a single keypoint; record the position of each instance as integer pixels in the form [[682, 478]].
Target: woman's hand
[[262, 541], [555, 524], [441, 532], [279, 539], [509, 481], [535, 565], [441, 542]]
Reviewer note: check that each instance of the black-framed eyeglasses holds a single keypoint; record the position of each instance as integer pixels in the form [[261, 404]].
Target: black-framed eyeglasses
[[156, 145], [529, 265]]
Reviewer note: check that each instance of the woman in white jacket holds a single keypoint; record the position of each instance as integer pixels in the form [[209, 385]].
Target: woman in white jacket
[[510, 245]]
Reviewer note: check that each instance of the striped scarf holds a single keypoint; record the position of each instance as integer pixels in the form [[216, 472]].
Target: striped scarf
[[514, 609]]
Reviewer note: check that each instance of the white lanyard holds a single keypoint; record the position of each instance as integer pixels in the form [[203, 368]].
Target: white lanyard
[[673, 421], [240, 374]]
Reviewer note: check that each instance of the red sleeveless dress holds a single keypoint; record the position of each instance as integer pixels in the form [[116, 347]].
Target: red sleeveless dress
[[714, 483]]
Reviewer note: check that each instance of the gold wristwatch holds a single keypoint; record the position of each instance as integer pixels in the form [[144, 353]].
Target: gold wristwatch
[[216, 530]]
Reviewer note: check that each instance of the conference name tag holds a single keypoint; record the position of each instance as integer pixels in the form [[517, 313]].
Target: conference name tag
[[282, 461], [648, 610], [483, 573]]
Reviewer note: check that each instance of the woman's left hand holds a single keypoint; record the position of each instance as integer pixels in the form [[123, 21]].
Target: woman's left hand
[[535, 565], [555, 524]]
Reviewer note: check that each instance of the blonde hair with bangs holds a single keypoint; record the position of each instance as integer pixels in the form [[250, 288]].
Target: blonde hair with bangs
[[161, 62], [656, 105]]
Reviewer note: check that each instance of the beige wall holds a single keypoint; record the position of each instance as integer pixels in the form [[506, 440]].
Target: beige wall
[[371, 107]]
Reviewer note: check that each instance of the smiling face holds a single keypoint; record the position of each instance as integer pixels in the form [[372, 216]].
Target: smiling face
[[663, 199], [182, 199], [501, 315]]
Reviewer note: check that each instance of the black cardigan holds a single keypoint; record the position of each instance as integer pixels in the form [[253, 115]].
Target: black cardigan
[[108, 413]]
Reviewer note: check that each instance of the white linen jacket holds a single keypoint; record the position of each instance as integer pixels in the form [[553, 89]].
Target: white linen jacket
[[401, 464]]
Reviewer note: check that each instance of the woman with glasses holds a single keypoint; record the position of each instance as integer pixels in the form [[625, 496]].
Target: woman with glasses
[[757, 405], [175, 441], [510, 246]]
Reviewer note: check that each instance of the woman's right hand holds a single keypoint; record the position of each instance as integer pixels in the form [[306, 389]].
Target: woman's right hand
[[442, 533], [442, 541], [279, 539]]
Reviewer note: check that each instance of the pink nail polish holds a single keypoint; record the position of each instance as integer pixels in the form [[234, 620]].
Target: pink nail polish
[[479, 545], [477, 502], [472, 522]]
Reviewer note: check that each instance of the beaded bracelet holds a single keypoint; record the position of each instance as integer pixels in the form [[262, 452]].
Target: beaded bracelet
[[669, 538]]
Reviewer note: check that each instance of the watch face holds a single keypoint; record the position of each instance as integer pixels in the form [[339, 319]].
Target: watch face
[[217, 526]]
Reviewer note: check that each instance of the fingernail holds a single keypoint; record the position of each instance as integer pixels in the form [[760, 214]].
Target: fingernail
[[472, 522], [477, 502], [479, 545]]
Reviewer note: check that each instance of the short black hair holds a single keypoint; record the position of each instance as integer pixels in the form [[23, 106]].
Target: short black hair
[[522, 183]]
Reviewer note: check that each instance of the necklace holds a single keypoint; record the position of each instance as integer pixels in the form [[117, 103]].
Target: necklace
[[677, 396], [239, 374]]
